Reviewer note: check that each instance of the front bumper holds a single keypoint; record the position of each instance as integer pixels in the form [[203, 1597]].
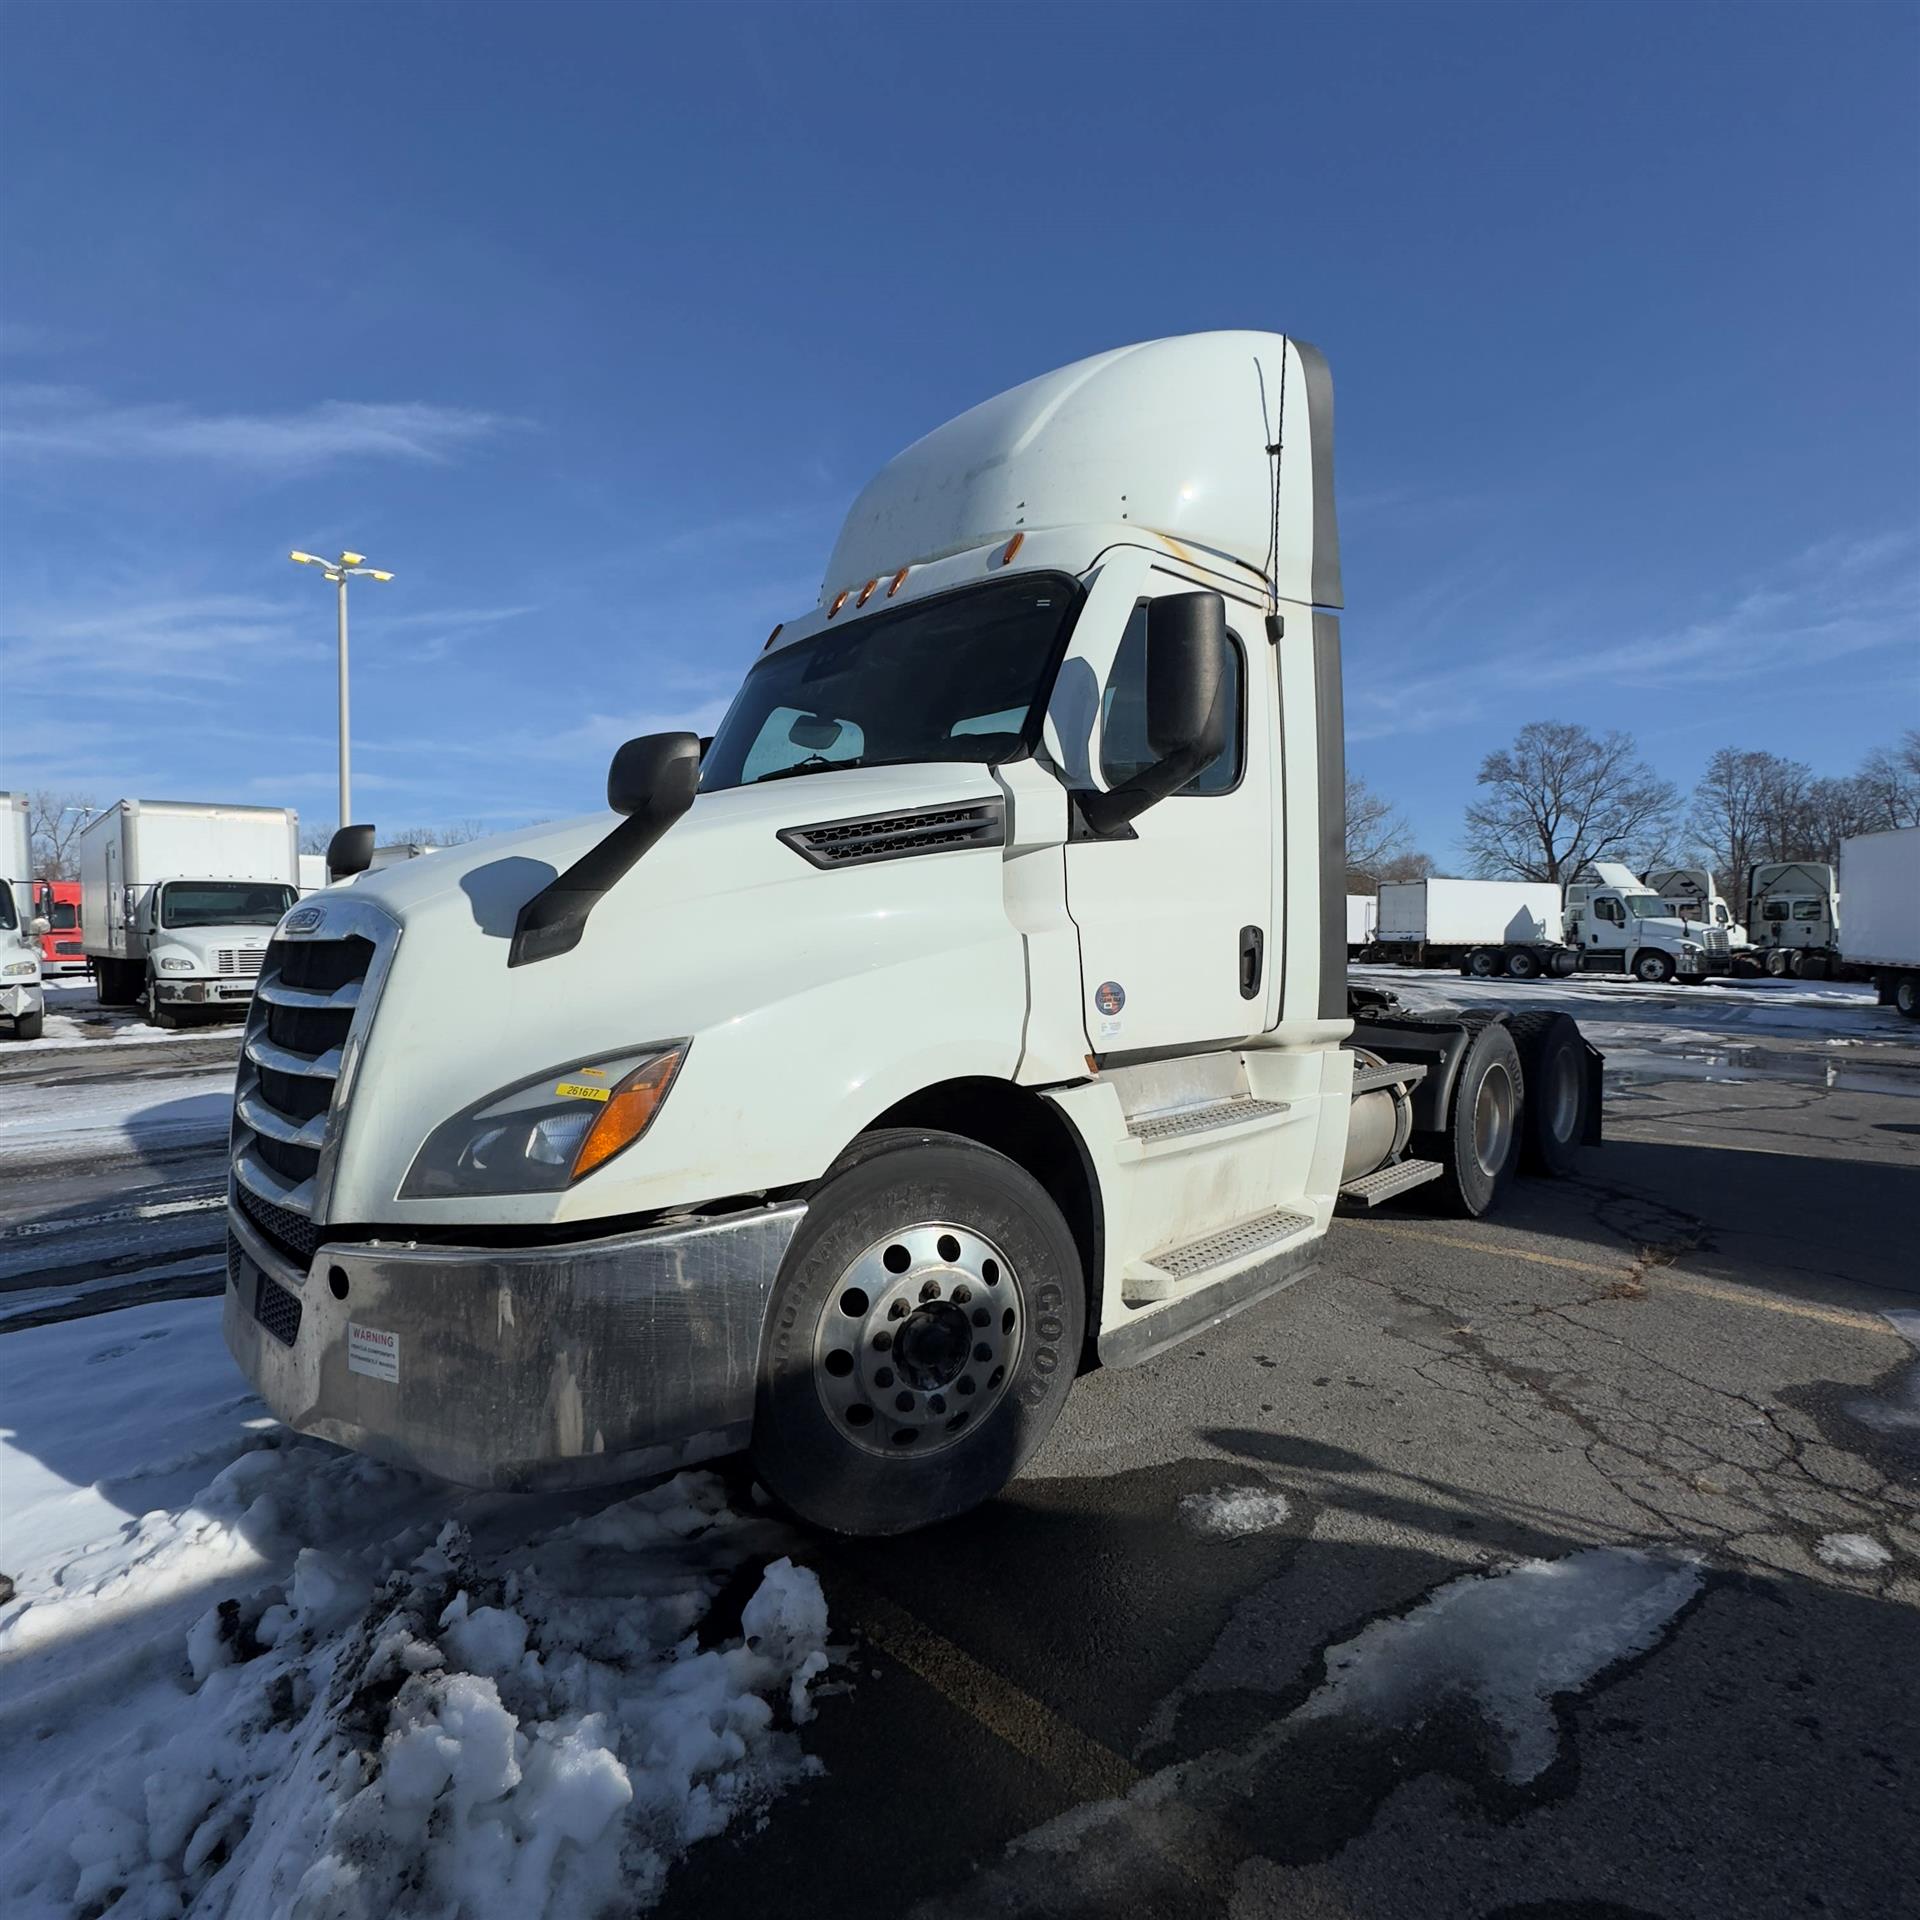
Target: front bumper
[[566, 1365], [21, 998], [228, 992]]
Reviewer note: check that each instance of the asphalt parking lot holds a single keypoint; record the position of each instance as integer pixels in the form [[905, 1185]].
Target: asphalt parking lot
[[1073, 1703], [1140, 1682]]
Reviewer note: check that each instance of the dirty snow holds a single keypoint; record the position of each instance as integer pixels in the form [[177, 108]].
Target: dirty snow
[[1852, 1552], [246, 1673], [1231, 1513], [1508, 1643], [47, 1124]]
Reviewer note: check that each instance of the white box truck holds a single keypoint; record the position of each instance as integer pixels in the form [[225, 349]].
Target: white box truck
[[178, 900], [973, 1012], [1880, 881], [1360, 917], [22, 999], [1437, 922]]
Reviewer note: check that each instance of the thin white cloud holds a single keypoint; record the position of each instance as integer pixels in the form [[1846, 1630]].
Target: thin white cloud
[[69, 422]]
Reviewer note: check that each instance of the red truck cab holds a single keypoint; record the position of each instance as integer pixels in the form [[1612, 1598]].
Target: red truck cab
[[57, 902]]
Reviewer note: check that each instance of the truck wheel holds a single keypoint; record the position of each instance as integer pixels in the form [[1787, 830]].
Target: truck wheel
[[1654, 967], [1480, 1145], [1483, 962], [923, 1334], [29, 1026], [1522, 962], [1553, 1072], [157, 1015], [1777, 962], [1814, 967], [1906, 995]]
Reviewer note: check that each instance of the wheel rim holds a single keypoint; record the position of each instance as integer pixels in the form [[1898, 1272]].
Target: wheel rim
[[1493, 1120], [1482, 964], [1561, 1094], [1651, 969], [1906, 996], [918, 1340]]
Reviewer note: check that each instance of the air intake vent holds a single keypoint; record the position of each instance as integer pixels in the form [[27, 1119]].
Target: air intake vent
[[897, 836]]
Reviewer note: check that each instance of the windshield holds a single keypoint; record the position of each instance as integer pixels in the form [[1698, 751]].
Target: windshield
[[958, 677], [9, 919], [1648, 906], [62, 916], [223, 903]]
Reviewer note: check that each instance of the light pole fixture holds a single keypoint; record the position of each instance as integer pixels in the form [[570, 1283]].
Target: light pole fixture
[[350, 566]]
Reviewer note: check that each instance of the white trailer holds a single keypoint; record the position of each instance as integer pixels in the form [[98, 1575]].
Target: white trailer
[[178, 900], [1880, 880], [313, 873], [22, 1000], [1360, 917], [1437, 922], [972, 1013]]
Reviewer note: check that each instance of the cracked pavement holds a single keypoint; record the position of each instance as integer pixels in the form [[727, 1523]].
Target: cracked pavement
[[1706, 1342]]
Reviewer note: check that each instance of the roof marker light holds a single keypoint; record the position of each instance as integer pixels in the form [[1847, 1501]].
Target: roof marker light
[[778, 630], [866, 594], [1012, 547], [839, 601], [899, 580]]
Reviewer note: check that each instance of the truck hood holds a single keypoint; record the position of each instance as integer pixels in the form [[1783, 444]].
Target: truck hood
[[802, 988]]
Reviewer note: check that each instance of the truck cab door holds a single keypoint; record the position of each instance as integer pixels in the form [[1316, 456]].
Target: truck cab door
[[1174, 913]]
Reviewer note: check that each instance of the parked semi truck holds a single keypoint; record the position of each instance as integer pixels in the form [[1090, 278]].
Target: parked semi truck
[[57, 902], [1880, 877], [1691, 895], [22, 1002], [1793, 915], [179, 900], [973, 1012]]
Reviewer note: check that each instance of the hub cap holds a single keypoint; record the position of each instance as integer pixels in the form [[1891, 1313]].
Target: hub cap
[[918, 1340], [1562, 1093], [1493, 1121]]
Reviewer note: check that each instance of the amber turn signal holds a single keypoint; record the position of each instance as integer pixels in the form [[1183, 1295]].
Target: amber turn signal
[[628, 1112]]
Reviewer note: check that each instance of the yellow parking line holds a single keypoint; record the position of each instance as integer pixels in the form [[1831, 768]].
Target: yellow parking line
[[1664, 1277]]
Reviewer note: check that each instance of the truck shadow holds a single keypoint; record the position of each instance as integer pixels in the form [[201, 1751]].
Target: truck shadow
[[498, 890]]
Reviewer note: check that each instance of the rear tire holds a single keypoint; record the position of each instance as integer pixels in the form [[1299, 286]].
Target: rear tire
[[1480, 1144], [1523, 963], [1554, 1069], [1906, 995], [1815, 967], [915, 1237], [1483, 962]]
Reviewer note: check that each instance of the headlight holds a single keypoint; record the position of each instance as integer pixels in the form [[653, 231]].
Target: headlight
[[545, 1133], [15, 968], [176, 966]]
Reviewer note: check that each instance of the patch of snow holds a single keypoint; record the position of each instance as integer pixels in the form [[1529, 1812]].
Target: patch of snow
[[248, 1673], [59, 1124], [1231, 1513], [1508, 1642], [1852, 1552]]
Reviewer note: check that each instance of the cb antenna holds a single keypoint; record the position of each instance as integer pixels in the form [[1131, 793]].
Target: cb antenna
[[1276, 432]]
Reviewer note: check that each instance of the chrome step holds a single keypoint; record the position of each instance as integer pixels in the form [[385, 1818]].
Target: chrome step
[[1396, 1073], [1384, 1182], [1184, 1122]]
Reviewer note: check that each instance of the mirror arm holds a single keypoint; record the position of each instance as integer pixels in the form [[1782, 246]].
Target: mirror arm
[[1106, 813]]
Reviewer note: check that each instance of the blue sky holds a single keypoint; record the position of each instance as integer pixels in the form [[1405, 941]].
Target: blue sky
[[589, 322]]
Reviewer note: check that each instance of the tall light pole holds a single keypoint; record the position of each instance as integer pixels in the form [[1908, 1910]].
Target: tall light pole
[[350, 566]]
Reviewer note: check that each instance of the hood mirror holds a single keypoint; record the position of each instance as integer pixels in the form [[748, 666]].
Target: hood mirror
[[350, 851]]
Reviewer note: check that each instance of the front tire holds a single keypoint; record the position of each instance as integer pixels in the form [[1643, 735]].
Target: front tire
[[924, 1331], [1655, 968], [157, 1014], [29, 1026]]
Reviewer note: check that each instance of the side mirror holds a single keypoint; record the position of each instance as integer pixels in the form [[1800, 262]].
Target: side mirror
[[39, 925], [350, 851], [655, 771], [652, 781], [1188, 712]]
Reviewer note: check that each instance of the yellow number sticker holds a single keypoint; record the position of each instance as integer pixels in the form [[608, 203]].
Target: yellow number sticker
[[579, 1090]]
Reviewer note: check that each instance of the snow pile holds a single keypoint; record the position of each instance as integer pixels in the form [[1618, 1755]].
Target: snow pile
[[1507, 1643], [257, 1675], [1852, 1552], [1231, 1513]]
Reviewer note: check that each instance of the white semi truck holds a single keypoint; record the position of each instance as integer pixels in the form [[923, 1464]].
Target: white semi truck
[[1880, 876], [1525, 929], [973, 1012], [22, 997], [1793, 912], [178, 900], [1691, 894]]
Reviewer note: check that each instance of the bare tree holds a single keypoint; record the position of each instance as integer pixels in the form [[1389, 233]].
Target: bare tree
[[1729, 821], [456, 833], [1561, 797], [1891, 778], [54, 821], [1377, 839], [1403, 866]]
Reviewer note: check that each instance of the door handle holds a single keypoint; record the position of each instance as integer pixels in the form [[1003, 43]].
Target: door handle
[[1252, 948]]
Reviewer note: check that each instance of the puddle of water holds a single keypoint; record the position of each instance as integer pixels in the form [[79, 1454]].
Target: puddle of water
[[1636, 1065]]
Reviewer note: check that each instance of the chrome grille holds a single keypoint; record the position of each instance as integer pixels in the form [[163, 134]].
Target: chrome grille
[[895, 836], [238, 960], [310, 1006]]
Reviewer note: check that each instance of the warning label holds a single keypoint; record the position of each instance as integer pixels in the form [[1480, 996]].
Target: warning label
[[373, 1353]]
